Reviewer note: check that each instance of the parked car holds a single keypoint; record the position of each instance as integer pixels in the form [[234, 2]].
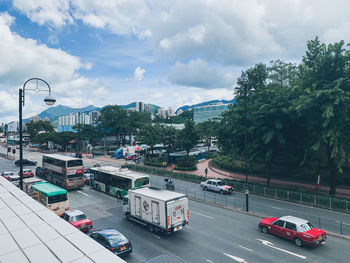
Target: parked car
[[78, 219], [216, 186], [298, 230], [27, 173], [7, 174], [114, 241], [87, 178], [41, 172], [26, 162], [15, 179]]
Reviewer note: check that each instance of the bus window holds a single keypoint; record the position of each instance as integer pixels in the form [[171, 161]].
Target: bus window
[[123, 183], [57, 198], [73, 163], [42, 198]]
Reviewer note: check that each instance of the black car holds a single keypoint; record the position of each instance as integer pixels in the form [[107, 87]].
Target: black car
[[26, 162], [114, 241]]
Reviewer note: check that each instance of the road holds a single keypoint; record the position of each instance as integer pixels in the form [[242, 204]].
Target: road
[[213, 235]]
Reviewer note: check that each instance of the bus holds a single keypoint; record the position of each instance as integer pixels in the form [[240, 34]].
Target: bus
[[64, 171], [117, 181], [51, 196]]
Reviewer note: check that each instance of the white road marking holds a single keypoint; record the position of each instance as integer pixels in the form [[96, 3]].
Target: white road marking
[[202, 215], [208, 260], [80, 192], [107, 213], [240, 260], [269, 244], [246, 248], [274, 207], [156, 236]]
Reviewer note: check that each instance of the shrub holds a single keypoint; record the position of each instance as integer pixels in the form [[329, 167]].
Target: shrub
[[191, 168]]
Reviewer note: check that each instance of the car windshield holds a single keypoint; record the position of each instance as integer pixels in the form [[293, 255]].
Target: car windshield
[[220, 183], [116, 239], [306, 227], [78, 217], [27, 171], [9, 173]]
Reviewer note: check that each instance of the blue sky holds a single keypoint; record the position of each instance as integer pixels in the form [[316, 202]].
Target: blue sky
[[169, 53]]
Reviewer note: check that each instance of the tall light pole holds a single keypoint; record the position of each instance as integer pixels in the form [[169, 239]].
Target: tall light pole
[[49, 100], [246, 151]]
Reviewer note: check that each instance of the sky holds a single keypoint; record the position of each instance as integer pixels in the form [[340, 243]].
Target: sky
[[168, 53]]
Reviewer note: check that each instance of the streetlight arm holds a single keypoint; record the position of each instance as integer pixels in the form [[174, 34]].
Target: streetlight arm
[[37, 89]]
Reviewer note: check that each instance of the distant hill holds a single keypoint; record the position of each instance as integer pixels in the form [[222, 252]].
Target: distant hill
[[187, 107], [54, 112]]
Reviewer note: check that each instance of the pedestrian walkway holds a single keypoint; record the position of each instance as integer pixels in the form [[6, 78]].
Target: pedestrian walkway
[[218, 173]]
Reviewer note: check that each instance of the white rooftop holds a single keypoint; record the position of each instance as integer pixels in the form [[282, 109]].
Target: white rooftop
[[61, 157], [293, 219], [157, 193], [125, 172], [29, 232]]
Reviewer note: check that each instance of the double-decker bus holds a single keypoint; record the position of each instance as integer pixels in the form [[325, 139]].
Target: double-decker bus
[[64, 171], [53, 197], [117, 181]]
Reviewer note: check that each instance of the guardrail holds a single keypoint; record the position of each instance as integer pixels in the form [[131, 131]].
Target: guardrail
[[328, 224]]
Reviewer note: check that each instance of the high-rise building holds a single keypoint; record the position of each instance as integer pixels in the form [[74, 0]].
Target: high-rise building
[[162, 113], [141, 106], [94, 115], [13, 126], [170, 112], [211, 111], [34, 118]]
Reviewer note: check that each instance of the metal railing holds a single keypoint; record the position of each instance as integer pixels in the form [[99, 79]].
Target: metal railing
[[328, 224]]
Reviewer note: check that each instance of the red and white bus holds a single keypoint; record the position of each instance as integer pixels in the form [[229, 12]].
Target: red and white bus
[[64, 171]]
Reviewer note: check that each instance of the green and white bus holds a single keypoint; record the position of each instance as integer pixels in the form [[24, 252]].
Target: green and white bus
[[53, 197], [117, 181]]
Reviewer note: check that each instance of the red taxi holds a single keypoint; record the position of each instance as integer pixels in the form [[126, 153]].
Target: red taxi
[[27, 173], [298, 230], [78, 219]]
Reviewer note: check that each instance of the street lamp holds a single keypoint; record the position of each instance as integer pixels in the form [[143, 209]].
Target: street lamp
[[49, 100], [246, 151]]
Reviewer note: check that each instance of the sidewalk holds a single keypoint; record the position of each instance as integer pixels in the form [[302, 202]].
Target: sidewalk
[[217, 173]]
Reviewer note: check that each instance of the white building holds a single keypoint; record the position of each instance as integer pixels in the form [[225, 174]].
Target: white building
[[94, 115], [162, 113], [35, 118], [13, 126], [170, 112]]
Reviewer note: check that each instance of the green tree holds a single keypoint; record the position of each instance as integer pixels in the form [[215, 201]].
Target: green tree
[[34, 127], [208, 131], [88, 133], [114, 120], [324, 100], [150, 135], [168, 138], [188, 137]]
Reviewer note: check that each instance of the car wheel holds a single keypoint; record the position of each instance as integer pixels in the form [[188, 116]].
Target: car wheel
[[264, 230], [119, 195], [205, 188], [298, 242], [151, 228], [221, 192]]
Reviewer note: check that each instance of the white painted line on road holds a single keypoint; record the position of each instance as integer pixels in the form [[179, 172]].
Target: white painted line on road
[[240, 260], [80, 192], [246, 248], [107, 213], [208, 260], [202, 215], [269, 244], [274, 207], [156, 236]]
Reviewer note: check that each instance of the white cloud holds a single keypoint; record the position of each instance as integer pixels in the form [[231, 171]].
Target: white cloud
[[197, 73], [138, 73], [53, 12], [101, 91]]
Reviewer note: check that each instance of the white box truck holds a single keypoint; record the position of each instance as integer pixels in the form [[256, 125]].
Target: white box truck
[[158, 209]]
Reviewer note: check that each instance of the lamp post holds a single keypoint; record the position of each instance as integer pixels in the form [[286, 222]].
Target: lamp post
[[246, 151], [49, 100]]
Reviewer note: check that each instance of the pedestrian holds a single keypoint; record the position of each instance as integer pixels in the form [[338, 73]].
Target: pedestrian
[[206, 171]]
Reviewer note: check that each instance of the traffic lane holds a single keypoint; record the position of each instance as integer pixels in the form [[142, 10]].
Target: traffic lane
[[207, 239], [263, 205]]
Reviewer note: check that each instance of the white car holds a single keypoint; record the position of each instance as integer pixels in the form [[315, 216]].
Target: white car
[[216, 186]]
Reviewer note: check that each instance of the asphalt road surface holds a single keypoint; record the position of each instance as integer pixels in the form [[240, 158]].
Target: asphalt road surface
[[213, 235]]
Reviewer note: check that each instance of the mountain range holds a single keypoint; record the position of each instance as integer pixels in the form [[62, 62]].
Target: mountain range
[[54, 112]]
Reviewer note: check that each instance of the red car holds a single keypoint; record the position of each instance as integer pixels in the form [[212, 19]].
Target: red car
[[131, 156], [27, 173], [78, 219], [298, 230]]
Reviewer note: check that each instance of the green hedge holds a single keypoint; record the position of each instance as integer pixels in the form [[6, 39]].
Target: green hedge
[[179, 168]]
